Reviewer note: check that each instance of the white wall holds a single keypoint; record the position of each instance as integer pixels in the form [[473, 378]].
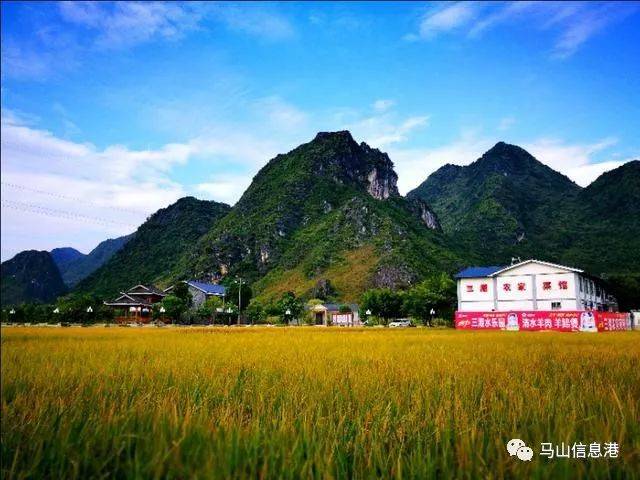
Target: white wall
[[515, 283], [505, 306], [566, 304], [477, 295], [475, 306], [554, 280]]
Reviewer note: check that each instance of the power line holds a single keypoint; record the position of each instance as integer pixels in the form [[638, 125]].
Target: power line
[[73, 199], [51, 212]]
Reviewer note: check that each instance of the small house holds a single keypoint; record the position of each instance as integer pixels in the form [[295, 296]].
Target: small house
[[336, 314], [135, 304], [201, 292]]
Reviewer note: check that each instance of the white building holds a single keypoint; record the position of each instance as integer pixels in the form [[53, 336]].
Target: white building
[[530, 285]]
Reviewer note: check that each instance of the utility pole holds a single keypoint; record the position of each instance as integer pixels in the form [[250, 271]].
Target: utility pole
[[239, 281]]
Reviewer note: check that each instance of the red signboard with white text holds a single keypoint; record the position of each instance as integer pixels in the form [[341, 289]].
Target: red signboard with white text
[[557, 320], [612, 321]]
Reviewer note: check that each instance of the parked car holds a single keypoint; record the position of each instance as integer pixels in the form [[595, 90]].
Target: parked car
[[401, 323]]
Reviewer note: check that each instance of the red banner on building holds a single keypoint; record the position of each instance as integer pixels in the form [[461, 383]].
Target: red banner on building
[[558, 320], [612, 321]]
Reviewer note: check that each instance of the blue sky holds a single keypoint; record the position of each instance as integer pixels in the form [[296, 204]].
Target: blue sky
[[111, 111]]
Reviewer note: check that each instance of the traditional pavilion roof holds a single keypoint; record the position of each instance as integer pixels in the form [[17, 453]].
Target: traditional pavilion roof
[[125, 300], [145, 290]]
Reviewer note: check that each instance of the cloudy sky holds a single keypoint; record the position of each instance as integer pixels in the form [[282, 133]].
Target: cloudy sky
[[111, 111]]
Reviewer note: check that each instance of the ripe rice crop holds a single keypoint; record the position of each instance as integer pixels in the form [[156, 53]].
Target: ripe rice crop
[[313, 402]]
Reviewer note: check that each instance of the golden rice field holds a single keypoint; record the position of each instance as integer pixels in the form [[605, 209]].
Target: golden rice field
[[313, 403]]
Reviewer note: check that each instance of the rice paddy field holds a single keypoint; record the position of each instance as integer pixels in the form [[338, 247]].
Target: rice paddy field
[[313, 403]]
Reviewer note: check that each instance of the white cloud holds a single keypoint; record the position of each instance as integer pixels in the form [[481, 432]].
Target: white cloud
[[54, 48], [448, 18], [583, 25], [571, 23], [382, 129], [415, 165], [279, 113], [255, 20], [225, 188], [123, 24], [577, 160], [383, 105]]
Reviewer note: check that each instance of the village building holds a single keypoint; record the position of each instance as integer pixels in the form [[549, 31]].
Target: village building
[[201, 292], [530, 285], [135, 305], [336, 314]]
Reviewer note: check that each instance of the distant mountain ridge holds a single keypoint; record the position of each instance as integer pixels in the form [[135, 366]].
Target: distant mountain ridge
[[78, 267], [507, 204], [30, 276], [64, 256], [155, 248]]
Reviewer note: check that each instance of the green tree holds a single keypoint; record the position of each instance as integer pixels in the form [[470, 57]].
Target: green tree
[[256, 312], [289, 302], [81, 308], [383, 302], [210, 307], [626, 290], [174, 306], [232, 294], [436, 292], [181, 290]]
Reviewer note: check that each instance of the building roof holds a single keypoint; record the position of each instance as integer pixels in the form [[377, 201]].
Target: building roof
[[208, 288], [540, 262], [474, 272], [147, 289], [492, 271], [125, 300]]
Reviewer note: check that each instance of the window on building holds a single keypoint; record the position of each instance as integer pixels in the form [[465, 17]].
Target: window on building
[[546, 285], [522, 286], [580, 282], [556, 305], [563, 285], [469, 288], [484, 287], [506, 287]]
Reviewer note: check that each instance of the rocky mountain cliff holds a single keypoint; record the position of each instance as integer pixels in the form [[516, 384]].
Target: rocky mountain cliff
[[30, 276], [317, 209], [507, 204]]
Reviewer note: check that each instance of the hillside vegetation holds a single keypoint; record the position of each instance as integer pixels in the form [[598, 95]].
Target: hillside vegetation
[[156, 247], [308, 211], [508, 204]]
